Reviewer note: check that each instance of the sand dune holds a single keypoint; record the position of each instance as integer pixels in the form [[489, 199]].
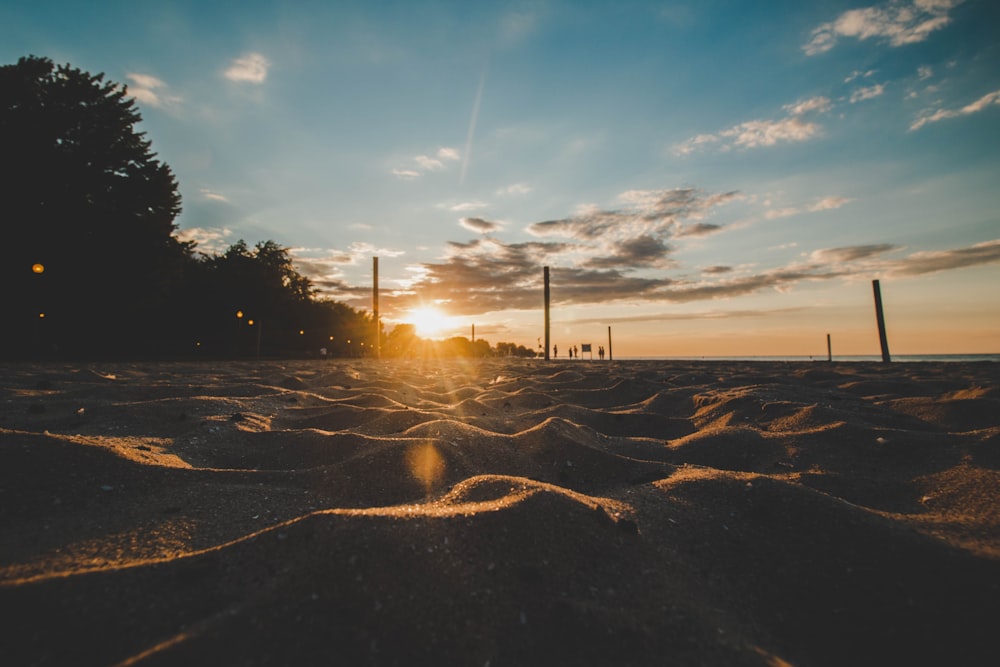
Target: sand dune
[[500, 513]]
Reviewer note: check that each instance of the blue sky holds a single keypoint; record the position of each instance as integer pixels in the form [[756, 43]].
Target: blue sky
[[707, 177]]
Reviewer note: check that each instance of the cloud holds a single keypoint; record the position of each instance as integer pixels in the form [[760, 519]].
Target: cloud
[[150, 90], [717, 270], [858, 74], [828, 203], [925, 72], [251, 68], [818, 104], [758, 133], [867, 93], [984, 102], [515, 189], [896, 22], [466, 206], [640, 252], [823, 204], [850, 253], [480, 225], [645, 212], [214, 196], [426, 163], [933, 261], [210, 240]]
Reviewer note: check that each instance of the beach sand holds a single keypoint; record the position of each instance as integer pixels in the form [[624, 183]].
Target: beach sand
[[500, 513]]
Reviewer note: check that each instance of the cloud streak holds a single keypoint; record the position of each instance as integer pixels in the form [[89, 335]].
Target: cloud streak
[[983, 103]]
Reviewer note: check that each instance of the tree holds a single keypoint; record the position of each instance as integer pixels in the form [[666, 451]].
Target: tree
[[87, 204]]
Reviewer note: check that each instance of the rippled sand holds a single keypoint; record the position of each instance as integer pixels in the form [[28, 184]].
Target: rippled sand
[[500, 513]]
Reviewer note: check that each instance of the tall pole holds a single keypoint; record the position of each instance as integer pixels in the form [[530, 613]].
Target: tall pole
[[883, 341], [547, 313], [473, 334], [378, 328], [829, 349], [610, 356]]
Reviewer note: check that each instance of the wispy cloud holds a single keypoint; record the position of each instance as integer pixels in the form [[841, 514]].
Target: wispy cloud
[[150, 90], [757, 133], [465, 206], [480, 225], [210, 240], [214, 196], [251, 68], [850, 253], [823, 204], [984, 102], [933, 261], [754, 134], [896, 23], [858, 74], [515, 189], [427, 163], [867, 93]]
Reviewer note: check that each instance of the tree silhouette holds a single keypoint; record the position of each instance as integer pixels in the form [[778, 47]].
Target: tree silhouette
[[84, 201]]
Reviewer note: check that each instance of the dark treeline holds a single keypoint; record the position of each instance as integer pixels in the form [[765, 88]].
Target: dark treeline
[[90, 263], [403, 341], [91, 266]]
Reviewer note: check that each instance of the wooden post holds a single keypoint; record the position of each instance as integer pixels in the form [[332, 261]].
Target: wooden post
[[880, 317], [473, 334], [378, 328], [829, 349], [547, 339], [610, 356]]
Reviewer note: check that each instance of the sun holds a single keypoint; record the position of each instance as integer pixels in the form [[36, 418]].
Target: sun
[[429, 322]]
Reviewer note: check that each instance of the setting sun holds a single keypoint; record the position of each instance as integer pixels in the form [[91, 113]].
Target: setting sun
[[429, 322]]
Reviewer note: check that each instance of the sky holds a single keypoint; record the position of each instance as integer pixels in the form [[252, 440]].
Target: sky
[[706, 178]]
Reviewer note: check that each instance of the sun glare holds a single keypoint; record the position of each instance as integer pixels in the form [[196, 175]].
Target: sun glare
[[429, 322]]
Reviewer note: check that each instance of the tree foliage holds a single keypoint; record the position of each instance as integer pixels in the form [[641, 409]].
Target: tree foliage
[[83, 196], [90, 262], [91, 265]]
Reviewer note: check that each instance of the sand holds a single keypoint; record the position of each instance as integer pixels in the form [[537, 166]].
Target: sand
[[499, 513]]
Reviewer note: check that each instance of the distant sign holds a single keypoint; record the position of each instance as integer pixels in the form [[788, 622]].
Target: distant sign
[[585, 347]]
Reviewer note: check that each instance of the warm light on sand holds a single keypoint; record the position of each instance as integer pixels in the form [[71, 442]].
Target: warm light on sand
[[430, 322]]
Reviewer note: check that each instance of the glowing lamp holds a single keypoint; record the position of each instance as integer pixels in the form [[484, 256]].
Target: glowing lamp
[[38, 268]]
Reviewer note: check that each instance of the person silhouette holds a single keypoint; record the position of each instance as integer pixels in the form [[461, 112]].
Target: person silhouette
[[555, 350]]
